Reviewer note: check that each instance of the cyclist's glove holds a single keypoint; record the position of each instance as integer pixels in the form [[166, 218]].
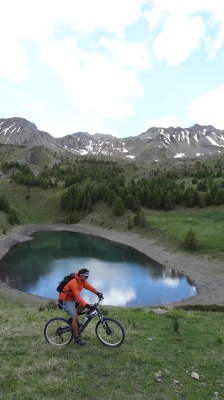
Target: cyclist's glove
[[100, 295]]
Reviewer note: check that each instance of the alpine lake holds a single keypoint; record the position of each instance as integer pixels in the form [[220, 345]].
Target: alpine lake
[[125, 276]]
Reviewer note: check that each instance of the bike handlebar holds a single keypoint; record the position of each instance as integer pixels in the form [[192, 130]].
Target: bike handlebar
[[98, 303], [95, 305]]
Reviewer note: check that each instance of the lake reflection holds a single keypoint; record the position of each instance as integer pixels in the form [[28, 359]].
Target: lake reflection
[[125, 276]]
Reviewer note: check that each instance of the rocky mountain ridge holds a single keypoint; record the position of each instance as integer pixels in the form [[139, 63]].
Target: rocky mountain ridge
[[156, 144]]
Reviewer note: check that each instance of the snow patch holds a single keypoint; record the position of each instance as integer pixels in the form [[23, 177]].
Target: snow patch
[[187, 137], [195, 137], [131, 157], [6, 129], [179, 155], [214, 142], [167, 136], [83, 152]]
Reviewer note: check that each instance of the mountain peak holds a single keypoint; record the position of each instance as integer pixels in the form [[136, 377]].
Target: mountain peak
[[156, 144]]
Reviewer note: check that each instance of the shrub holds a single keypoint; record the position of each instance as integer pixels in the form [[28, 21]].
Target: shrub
[[190, 241], [201, 307], [130, 223], [41, 308], [73, 218], [175, 322], [52, 305]]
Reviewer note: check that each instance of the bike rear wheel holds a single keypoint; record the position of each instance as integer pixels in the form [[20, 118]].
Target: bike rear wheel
[[110, 332], [58, 331]]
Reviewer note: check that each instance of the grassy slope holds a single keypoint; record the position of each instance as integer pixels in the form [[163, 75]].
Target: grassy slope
[[43, 206], [32, 369], [207, 223]]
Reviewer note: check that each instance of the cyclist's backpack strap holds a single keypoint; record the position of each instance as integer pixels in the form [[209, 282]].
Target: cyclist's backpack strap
[[64, 281], [60, 304]]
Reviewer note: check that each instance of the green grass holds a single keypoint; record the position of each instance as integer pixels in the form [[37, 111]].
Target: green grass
[[32, 369], [207, 223], [42, 206]]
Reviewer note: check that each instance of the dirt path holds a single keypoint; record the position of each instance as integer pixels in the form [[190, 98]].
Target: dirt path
[[207, 274]]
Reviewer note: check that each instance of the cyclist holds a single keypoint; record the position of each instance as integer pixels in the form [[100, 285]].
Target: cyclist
[[70, 296]]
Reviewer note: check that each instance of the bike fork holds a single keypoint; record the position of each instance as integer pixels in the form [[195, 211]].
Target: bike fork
[[106, 327]]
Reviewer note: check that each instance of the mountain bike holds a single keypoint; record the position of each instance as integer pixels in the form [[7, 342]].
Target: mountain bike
[[58, 331]]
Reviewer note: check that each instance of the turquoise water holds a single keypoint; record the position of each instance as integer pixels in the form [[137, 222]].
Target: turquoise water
[[125, 276]]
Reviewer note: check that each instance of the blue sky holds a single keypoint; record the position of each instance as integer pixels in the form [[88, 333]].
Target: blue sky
[[112, 66]]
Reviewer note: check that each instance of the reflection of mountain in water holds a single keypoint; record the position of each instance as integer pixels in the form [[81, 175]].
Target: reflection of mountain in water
[[39, 264], [165, 273]]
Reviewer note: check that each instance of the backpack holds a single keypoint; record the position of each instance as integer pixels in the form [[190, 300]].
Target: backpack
[[65, 280]]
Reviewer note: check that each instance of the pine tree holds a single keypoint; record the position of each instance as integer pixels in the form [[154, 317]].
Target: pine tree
[[219, 200], [10, 218], [168, 201], [89, 205], [118, 206], [129, 201]]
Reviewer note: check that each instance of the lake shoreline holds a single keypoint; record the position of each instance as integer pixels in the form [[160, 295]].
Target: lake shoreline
[[204, 272]]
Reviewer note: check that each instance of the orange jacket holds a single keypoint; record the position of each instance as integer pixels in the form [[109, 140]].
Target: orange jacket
[[73, 288]]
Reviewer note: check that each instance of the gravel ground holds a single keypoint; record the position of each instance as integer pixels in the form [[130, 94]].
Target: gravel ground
[[204, 272]]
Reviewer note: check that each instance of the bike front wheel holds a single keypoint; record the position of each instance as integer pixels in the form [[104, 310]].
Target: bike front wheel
[[58, 331], [110, 332]]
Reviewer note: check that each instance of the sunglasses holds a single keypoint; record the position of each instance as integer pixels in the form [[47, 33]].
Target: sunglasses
[[85, 275]]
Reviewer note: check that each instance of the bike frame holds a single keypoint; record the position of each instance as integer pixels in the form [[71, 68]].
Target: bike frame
[[99, 315]]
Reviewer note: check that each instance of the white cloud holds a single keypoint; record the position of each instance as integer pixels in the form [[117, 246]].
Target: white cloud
[[26, 19], [181, 27], [112, 16], [13, 60], [94, 83], [164, 122], [178, 39], [127, 55], [161, 8], [58, 128], [42, 18], [208, 109]]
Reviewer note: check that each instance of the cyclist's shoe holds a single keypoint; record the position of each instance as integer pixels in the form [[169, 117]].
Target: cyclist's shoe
[[79, 340]]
